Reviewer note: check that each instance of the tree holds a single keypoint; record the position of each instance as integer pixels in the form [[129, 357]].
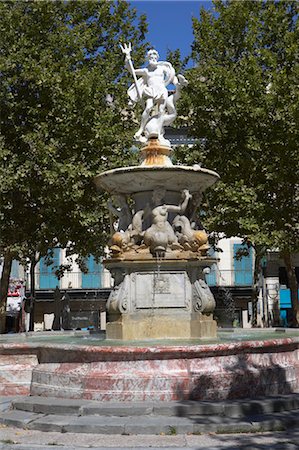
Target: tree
[[63, 120], [243, 94]]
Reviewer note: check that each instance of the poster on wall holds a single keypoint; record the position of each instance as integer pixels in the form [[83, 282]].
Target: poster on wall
[[15, 295]]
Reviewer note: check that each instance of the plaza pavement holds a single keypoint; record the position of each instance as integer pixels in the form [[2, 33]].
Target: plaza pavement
[[16, 439], [29, 439]]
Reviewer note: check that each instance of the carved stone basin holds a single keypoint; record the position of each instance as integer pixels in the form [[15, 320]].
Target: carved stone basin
[[135, 179]]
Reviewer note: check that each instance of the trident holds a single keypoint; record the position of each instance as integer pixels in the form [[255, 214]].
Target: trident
[[126, 49]]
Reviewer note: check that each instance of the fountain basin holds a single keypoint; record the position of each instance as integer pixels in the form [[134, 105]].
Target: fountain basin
[[217, 371], [159, 252], [129, 180]]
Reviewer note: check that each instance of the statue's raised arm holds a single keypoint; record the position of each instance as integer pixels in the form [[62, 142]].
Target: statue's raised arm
[[151, 91]]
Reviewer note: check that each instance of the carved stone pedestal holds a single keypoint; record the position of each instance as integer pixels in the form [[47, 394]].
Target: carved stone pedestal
[[165, 299]]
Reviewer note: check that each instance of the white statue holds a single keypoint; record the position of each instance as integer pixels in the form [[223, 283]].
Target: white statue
[[151, 91], [161, 234]]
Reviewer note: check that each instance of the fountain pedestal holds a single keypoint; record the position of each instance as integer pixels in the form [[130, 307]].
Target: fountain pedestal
[[159, 252], [163, 299]]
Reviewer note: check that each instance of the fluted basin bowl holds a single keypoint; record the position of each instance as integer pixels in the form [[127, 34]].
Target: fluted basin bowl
[[135, 179]]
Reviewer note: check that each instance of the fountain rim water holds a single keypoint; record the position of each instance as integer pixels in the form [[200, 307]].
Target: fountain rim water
[[148, 349]]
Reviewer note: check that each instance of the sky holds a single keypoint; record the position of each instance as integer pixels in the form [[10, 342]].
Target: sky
[[170, 22]]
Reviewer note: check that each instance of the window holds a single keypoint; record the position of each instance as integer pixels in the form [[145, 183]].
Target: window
[[14, 273], [92, 279], [242, 267], [211, 278], [47, 277]]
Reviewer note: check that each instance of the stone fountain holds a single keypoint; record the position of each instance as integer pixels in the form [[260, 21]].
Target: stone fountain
[[158, 252], [158, 255]]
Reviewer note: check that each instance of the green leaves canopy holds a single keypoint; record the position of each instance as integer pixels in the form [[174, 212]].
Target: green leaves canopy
[[58, 63], [243, 95], [243, 98]]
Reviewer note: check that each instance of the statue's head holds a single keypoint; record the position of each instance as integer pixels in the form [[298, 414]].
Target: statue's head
[[152, 56]]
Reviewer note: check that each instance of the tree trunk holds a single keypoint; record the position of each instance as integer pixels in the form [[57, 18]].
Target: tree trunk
[[293, 284], [7, 262]]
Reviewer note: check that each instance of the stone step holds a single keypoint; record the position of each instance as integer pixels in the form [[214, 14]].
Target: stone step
[[131, 419], [234, 409], [132, 425]]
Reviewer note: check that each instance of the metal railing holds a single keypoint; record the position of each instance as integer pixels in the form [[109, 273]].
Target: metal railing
[[229, 277], [73, 280], [103, 279]]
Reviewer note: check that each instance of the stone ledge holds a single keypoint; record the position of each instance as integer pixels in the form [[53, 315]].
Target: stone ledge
[[150, 424]]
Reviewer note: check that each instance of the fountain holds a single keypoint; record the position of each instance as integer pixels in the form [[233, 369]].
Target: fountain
[[159, 250], [161, 336]]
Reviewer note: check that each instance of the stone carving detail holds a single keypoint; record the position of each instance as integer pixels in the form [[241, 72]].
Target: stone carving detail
[[203, 299], [126, 237], [133, 235], [122, 211], [151, 91], [161, 284], [161, 234], [118, 301], [188, 303], [190, 239]]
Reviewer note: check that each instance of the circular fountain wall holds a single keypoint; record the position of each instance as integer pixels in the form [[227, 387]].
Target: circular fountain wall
[[226, 369]]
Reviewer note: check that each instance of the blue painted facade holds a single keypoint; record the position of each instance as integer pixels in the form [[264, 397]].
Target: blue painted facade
[[211, 278], [243, 274], [92, 279], [285, 304], [47, 277]]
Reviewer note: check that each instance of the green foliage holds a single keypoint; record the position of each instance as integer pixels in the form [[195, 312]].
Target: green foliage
[[243, 106], [58, 62], [243, 95], [174, 57]]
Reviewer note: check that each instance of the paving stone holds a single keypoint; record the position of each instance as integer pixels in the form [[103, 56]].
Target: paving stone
[[276, 421], [121, 409], [165, 408], [5, 403], [83, 424], [188, 408], [84, 416], [50, 423], [238, 409], [23, 405], [50, 405], [51, 447], [255, 407], [18, 418], [96, 424], [158, 425], [284, 403]]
